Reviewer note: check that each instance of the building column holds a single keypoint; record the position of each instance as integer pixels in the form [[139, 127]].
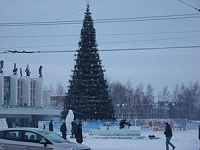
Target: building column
[[38, 92], [26, 91], [13, 90]]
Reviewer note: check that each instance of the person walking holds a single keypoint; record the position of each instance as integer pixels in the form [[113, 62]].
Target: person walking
[[199, 132], [63, 130], [79, 135], [168, 134], [51, 126], [44, 126]]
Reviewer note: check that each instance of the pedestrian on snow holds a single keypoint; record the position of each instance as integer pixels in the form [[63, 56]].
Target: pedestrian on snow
[[122, 123], [9, 122], [44, 126], [74, 128], [63, 130], [168, 134], [199, 132], [51, 125], [78, 135]]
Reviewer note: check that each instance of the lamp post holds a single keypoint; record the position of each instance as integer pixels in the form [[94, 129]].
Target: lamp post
[[170, 106], [120, 112], [166, 108], [123, 111]]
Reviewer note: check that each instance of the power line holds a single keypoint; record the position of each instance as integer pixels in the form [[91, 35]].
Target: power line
[[146, 18], [103, 50], [130, 19], [189, 5], [111, 42], [150, 19], [138, 33], [106, 34], [148, 40], [59, 45]]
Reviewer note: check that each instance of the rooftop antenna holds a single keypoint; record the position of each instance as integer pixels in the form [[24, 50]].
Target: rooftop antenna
[[189, 5]]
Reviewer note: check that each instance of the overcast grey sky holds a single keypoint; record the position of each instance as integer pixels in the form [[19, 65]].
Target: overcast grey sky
[[159, 67]]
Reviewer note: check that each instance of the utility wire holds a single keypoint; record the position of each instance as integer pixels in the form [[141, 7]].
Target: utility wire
[[107, 34], [189, 5], [148, 18], [148, 40], [103, 50], [111, 42]]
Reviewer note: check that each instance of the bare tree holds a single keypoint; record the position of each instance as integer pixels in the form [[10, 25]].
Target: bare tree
[[60, 89], [149, 96], [187, 99]]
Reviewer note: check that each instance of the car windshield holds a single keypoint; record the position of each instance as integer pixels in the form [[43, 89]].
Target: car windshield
[[53, 136]]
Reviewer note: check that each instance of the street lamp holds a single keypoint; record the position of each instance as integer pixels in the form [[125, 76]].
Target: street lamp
[[170, 105], [123, 111], [120, 110]]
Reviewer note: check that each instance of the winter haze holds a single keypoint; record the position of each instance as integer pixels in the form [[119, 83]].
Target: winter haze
[[160, 67]]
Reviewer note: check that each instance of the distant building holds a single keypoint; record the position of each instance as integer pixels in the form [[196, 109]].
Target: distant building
[[21, 98], [20, 91], [46, 98], [57, 102], [24, 91]]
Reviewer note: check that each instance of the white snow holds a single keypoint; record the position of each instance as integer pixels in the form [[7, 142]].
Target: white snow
[[183, 140]]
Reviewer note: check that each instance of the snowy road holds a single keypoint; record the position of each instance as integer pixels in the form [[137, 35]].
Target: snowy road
[[183, 140]]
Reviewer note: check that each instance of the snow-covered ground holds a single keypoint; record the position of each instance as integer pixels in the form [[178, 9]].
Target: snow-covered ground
[[183, 140]]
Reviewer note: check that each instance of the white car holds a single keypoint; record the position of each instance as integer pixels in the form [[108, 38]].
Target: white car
[[35, 139]]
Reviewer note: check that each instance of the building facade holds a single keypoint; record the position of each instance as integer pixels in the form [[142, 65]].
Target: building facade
[[20, 91], [21, 99]]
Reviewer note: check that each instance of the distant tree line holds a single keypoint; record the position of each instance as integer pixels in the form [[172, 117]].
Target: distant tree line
[[142, 102]]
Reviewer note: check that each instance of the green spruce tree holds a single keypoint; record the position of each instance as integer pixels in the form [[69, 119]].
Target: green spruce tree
[[88, 94]]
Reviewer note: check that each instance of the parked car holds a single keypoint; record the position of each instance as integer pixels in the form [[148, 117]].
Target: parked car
[[35, 139]]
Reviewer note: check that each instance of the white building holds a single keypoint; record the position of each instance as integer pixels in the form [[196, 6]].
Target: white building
[[20, 91], [21, 98]]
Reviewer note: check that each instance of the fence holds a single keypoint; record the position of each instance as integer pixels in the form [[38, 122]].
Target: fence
[[145, 124]]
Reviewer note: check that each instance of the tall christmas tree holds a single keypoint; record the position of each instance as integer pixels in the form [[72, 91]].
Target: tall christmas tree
[[88, 94]]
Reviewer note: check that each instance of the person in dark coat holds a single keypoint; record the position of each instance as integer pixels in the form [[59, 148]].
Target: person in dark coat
[[51, 125], [122, 123], [168, 134], [78, 135], [63, 130], [44, 126], [74, 128], [199, 132]]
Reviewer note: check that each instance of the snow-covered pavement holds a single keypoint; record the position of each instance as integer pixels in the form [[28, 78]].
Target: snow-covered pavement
[[183, 140]]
